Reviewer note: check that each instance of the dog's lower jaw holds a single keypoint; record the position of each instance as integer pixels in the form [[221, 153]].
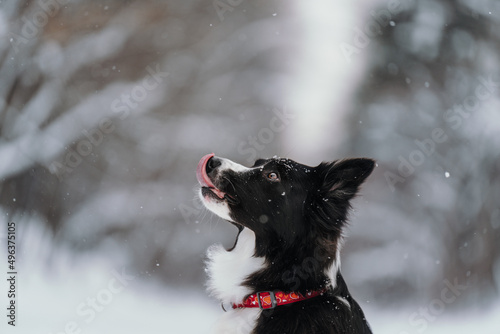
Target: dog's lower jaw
[[227, 270], [220, 208]]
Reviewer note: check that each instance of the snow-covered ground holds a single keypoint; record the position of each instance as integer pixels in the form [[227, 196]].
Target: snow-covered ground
[[88, 295], [98, 298], [54, 305]]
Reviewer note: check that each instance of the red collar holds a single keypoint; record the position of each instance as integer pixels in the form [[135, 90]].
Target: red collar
[[270, 299]]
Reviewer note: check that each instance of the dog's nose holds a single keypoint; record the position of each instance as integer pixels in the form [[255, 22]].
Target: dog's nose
[[212, 164]]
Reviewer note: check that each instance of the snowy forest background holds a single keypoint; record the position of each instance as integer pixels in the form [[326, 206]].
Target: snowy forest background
[[107, 106]]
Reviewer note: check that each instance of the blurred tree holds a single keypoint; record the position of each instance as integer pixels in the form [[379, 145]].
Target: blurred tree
[[428, 112], [106, 107]]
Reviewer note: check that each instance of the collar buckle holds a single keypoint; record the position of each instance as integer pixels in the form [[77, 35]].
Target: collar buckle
[[274, 303]]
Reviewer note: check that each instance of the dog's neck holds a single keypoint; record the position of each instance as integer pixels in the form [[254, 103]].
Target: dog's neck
[[227, 270], [234, 274]]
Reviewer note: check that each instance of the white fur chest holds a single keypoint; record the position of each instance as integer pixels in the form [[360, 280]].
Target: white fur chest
[[227, 270], [226, 273]]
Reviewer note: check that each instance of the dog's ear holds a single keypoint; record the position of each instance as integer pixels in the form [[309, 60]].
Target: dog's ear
[[341, 179], [259, 162]]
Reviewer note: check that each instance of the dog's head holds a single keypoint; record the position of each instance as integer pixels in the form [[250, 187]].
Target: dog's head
[[280, 199]]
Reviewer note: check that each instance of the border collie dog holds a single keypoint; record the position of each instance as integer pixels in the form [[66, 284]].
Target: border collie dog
[[283, 273]]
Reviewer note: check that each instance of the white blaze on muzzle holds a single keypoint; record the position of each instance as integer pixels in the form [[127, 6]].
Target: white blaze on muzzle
[[218, 206]]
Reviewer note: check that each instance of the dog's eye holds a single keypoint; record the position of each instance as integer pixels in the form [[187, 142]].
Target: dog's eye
[[273, 176]]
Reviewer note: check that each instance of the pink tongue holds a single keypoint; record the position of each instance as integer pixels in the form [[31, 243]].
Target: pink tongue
[[219, 193], [201, 171], [203, 179]]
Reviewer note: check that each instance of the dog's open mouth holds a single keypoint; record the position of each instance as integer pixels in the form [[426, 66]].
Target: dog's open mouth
[[208, 187]]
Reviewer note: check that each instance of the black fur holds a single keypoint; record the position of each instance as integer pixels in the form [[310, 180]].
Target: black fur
[[298, 219]]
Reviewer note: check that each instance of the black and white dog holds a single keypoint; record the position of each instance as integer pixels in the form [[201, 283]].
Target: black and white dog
[[283, 273]]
